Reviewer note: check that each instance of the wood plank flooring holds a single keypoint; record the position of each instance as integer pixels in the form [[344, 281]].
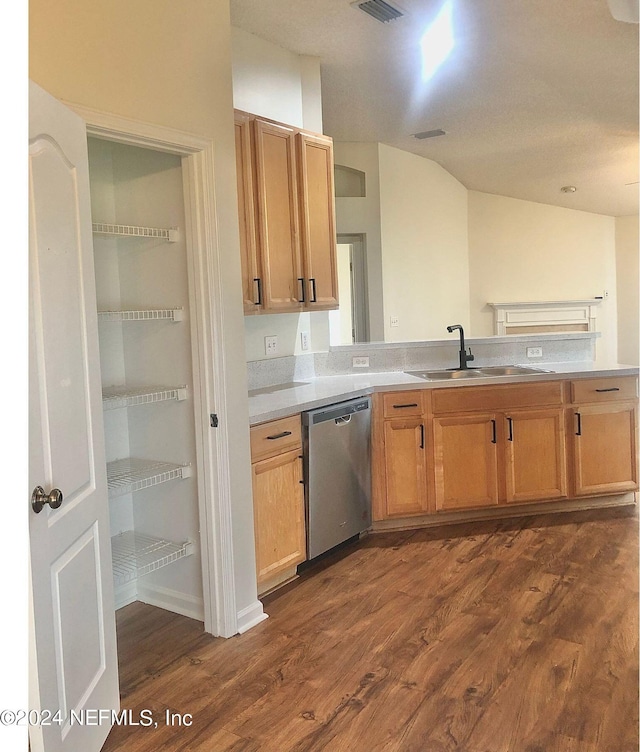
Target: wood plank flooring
[[512, 636]]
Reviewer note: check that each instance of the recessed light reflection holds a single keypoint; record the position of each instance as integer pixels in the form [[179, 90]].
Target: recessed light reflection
[[437, 42]]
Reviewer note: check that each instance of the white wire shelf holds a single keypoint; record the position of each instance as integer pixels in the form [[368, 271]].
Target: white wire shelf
[[115, 397], [133, 231], [133, 474], [159, 314], [134, 555]]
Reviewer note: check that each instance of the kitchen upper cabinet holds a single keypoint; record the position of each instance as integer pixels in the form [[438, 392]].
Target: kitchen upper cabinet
[[604, 427], [466, 461], [405, 467], [317, 214], [535, 455], [278, 500], [286, 216], [278, 221], [249, 260]]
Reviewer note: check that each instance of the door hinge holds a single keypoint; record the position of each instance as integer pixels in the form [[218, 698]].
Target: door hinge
[[213, 419]]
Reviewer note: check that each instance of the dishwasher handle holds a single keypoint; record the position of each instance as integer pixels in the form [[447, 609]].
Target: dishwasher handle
[[339, 413]]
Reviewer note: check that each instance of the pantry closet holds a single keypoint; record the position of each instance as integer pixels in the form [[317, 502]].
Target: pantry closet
[[146, 363]]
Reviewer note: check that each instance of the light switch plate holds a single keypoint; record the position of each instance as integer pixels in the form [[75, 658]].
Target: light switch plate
[[360, 361], [534, 352]]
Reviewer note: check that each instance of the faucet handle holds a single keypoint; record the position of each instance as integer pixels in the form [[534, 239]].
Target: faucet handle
[[470, 356]]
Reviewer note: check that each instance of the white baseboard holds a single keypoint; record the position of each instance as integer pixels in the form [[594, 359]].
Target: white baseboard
[[125, 594], [171, 600], [250, 616]]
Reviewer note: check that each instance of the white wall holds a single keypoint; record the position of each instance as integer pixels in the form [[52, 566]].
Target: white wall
[[520, 251], [267, 79], [423, 221], [361, 216], [277, 84], [628, 285], [155, 61]]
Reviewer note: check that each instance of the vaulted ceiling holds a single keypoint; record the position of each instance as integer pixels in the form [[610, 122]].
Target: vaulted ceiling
[[535, 94]]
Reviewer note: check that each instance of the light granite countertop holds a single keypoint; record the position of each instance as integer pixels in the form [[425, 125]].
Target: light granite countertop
[[278, 402]]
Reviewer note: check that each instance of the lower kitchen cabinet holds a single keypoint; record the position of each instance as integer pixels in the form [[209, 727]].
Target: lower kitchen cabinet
[[278, 500], [466, 461], [605, 448], [535, 455], [405, 466]]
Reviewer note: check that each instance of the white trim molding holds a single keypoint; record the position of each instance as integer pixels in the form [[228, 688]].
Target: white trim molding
[[550, 313], [250, 616]]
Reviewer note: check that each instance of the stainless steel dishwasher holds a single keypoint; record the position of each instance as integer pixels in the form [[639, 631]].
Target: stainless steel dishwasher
[[337, 473]]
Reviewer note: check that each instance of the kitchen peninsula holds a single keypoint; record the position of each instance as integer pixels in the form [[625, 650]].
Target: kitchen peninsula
[[561, 438]]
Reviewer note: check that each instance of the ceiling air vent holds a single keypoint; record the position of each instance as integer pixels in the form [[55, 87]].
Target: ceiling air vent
[[378, 9], [430, 134]]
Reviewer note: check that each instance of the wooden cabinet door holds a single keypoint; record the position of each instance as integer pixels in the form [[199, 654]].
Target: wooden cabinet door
[[277, 202], [251, 279], [405, 467], [605, 448], [535, 456], [278, 508], [317, 213], [465, 450]]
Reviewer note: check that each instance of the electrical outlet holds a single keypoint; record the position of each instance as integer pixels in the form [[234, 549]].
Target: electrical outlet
[[394, 321], [606, 294], [534, 352], [305, 341], [271, 345], [361, 361]]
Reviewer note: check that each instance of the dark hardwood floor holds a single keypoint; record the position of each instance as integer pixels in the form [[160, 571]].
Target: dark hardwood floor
[[512, 636]]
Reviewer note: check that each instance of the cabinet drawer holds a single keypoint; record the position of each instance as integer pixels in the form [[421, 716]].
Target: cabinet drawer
[[504, 397], [275, 437], [401, 404], [604, 390]]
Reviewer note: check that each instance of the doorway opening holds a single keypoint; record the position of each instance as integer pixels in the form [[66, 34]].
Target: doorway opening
[[350, 323]]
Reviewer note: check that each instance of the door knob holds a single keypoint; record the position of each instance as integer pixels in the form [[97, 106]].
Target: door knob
[[39, 498]]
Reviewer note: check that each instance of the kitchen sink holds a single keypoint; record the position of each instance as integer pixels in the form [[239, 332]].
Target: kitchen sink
[[510, 370], [468, 373], [475, 373]]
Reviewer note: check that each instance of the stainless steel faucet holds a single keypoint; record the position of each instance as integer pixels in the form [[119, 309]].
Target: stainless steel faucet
[[464, 358]]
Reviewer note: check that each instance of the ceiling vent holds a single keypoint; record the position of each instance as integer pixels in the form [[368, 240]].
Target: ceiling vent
[[430, 134], [378, 9]]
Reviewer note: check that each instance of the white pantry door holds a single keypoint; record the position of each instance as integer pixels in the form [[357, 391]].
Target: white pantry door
[[73, 661]]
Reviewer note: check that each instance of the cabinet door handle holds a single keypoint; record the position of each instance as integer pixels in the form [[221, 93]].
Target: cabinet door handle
[[421, 435], [610, 389], [301, 280], [410, 404], [494, 436], [510, 420], [279, 435], [258, 281], [579, 429], [313, 298]]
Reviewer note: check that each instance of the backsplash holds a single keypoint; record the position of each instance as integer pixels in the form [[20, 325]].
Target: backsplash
[[488, 351]]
